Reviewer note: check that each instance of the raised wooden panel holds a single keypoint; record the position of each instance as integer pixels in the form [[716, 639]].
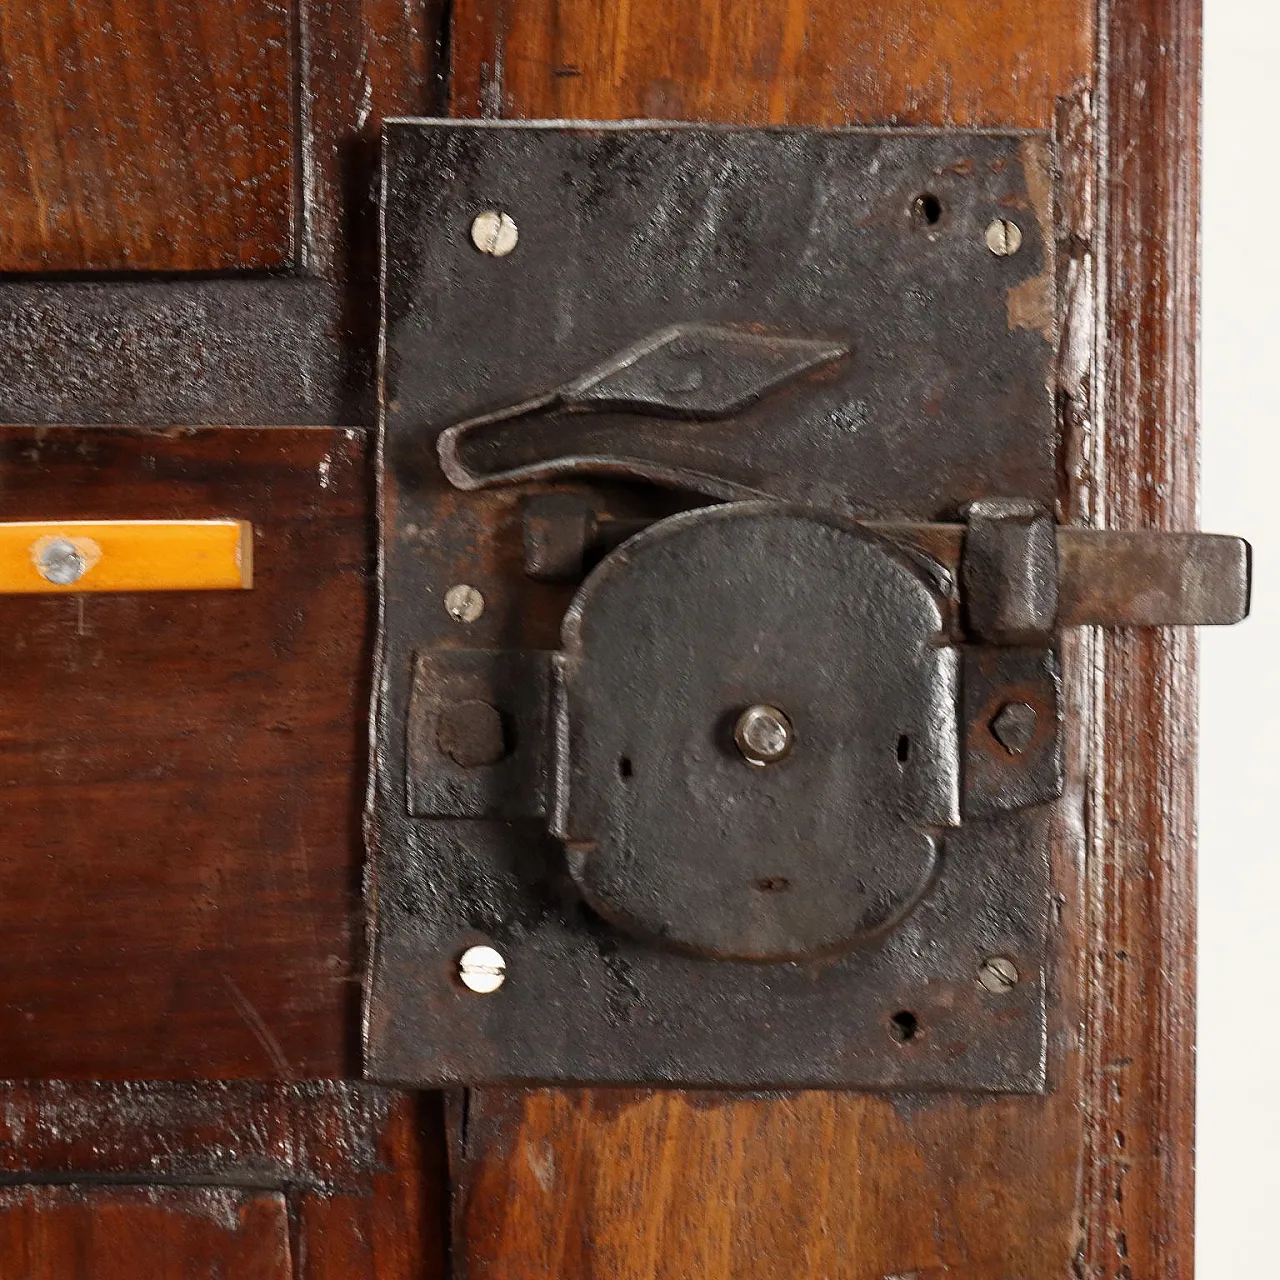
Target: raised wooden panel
[[183, 771], [143, 1233], [146, 135], [361, 1171], [961, 62]]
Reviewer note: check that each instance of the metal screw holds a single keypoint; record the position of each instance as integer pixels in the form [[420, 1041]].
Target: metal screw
[[494, 233], [482, 969], [1004, 238], [999, 975], [763, 734], [463, 603], [60, 563], [1013, 726]]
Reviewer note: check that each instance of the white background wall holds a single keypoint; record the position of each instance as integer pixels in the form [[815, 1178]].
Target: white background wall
[[1238, 1198]]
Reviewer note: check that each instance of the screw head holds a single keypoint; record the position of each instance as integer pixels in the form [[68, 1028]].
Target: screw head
[[60, 562], [999, 975], [1004, 238], [1013, 726], [463, 603], [763, 734], [494, 233], [482, 970]]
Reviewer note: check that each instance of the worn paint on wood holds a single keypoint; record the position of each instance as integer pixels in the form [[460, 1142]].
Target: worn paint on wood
[[125, 555]]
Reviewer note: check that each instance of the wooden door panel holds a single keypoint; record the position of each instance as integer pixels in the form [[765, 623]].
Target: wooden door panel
[[180, 887], [327, 1181], [180, 878], [147, 135]]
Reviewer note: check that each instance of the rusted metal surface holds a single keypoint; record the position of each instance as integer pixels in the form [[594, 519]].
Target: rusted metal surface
[[1010, 571], [810, 236], [733, 313], [1106, 577], [759, 802], [477, 729], [1115, 578], [670, 834], [191, 352]]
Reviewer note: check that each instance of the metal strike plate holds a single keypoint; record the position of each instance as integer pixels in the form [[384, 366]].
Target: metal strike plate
[[718, 688]]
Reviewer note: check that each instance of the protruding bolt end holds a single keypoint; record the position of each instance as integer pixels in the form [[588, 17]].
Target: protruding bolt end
[[1004, 238], [463, 603], [763, 734], [1013, 726], [999, 975], [482, 970], [494, 233], [59, 562]]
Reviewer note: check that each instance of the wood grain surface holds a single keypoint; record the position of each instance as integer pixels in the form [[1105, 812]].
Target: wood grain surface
[[183, 772], [148, 134], [310, 1182], [143, 1233], [1141, 470], [819, 62]]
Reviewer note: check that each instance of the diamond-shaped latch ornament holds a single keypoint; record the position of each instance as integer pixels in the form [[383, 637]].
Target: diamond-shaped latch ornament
[[719, 691]]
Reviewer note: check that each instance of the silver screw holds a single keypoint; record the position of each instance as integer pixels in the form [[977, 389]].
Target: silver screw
[[763, 734], [999, 975], [494, 233], [60, 563], [482, 970], [1004, 238], [463, 603]]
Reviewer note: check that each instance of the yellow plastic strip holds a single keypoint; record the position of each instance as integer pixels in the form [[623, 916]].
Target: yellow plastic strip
[[125, 555]]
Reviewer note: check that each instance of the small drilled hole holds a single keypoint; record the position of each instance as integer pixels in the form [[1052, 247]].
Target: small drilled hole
[[904, 1026], [625, 767], [773, 884], [927, 209], [904, 749]]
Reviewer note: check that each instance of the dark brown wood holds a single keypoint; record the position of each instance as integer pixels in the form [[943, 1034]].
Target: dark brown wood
[[152, 135], [327, 1136], [180, 880], [143, 1233]]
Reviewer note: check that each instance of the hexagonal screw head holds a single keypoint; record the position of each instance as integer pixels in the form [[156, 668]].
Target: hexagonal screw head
[[1013, 726]]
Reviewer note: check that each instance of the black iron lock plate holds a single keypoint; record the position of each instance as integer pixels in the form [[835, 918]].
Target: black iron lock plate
[[717, 689]]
